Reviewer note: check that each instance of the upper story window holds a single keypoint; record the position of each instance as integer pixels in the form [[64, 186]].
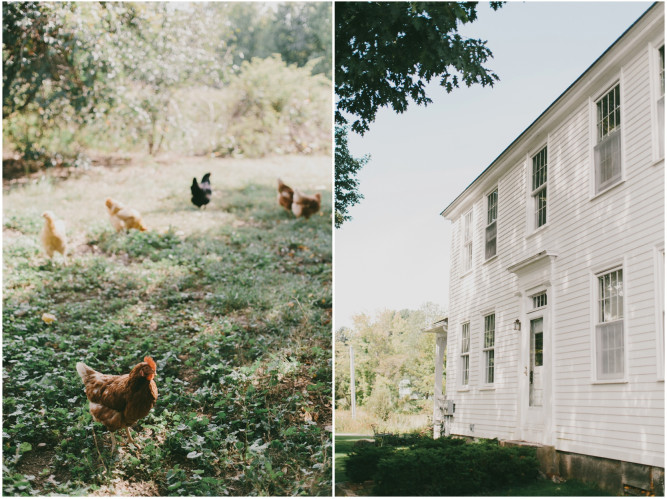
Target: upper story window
[[661, 103], [465, 354], [609, 344], [608, 146], [489, 348], [467, 241], [539, 188], [491, 224]]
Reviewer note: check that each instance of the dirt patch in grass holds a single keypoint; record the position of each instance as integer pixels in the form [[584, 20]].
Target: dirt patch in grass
[[124, 488]]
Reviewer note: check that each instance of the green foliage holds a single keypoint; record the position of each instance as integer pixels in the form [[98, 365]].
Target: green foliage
[[244, 389], [407, 44], [442, 467], [347, 184], [386, 53], [362, 463], [128, 75], [276, 107], [387, 349]]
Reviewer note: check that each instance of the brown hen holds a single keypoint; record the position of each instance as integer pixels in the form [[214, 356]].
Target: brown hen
[[119, 401], [304, 205], [285, 195]]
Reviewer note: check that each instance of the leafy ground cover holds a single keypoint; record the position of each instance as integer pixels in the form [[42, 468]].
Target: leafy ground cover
[[345, 451], [233, 302]]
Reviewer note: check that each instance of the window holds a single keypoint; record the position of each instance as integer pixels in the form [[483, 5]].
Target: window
[[540, 300], [539, 184], [491, 217], [465, 353], [467, 241], [608, 148], [661, 103], [489, 347], [610, 349]]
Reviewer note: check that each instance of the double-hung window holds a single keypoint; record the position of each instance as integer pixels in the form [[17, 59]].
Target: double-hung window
[[539, 191], [489, 347], [465, 354], [467, 241], [491, 224], [608, 144], [609, 343]]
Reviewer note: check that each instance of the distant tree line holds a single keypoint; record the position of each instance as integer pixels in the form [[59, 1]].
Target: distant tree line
[[387, 350], [75, 69]]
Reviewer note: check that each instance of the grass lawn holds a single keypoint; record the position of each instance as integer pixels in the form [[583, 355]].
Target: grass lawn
[[233, 302], [345, 444]]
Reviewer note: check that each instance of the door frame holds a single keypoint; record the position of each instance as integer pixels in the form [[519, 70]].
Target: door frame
[[535, 422]]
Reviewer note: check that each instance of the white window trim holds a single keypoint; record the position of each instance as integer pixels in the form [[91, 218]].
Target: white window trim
[[594, 274], [483, 350], [486, 225], [618, 79], [654, 71], [531, 222], [659, 272]]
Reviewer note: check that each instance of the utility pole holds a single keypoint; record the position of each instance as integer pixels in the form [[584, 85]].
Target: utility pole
[[352, 384]]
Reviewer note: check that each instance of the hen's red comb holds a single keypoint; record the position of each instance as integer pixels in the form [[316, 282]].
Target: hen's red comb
[[151, 363]]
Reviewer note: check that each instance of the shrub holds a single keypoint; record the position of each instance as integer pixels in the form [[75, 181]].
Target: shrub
[[361, 464], [450, 467]]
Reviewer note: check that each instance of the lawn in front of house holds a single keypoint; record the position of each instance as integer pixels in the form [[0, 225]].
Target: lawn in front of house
[[345, 445]]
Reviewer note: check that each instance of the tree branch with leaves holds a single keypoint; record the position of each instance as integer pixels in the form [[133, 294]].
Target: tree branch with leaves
[[386, 53]]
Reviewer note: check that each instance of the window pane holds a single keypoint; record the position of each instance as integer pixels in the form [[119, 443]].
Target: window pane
[[490, 249], [609, 112], [610, 350], [608, 161], [490, 366]]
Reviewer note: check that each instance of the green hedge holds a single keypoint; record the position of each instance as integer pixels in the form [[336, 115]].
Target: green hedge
[[442, 467]]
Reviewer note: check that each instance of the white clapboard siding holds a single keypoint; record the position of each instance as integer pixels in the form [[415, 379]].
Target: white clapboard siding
[[589, 233]]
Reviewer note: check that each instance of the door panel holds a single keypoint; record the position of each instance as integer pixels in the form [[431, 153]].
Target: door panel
[[536, 375]]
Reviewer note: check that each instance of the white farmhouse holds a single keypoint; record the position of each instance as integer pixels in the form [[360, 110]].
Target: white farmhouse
[[555, 331]]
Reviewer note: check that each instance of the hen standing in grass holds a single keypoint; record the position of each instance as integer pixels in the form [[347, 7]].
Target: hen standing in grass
[[53, 235], [285, 195], [305, 205], [201, 193], [119, 401], [124, 218]]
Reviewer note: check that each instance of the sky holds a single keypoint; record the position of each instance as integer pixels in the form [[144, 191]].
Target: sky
[[395, 252]]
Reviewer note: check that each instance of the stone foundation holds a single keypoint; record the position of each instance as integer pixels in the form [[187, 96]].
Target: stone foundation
[[617, 477]]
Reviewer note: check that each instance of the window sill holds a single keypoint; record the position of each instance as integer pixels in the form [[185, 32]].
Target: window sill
[[487, 388], [537, 231], [465, 389], [610, 382], [602, 193], [658, 161], [466, 273], [489, 260]]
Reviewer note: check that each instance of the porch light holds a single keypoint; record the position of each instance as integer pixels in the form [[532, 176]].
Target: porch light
[[517, 325]]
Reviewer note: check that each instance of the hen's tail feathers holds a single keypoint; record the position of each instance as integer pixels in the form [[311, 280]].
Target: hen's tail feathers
[[206, 178]]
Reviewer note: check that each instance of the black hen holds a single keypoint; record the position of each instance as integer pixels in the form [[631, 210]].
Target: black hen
[[201, 193]]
